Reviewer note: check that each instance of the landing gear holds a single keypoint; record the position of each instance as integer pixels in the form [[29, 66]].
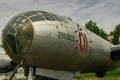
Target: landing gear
[[30, 74], [100, 74], [37, 73], [14, 72]]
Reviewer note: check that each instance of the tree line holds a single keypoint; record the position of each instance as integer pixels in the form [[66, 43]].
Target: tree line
[[92, 26]]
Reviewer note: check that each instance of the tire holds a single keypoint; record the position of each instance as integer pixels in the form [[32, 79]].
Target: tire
[[100, 74]]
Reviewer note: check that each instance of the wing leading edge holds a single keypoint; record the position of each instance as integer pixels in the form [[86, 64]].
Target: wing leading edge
[[115, 53]]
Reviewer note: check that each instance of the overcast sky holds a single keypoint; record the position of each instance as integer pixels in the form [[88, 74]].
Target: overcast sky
[[105, 12]]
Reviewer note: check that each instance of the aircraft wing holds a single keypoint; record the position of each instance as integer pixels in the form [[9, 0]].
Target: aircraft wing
[[6, 64], [115, 53]]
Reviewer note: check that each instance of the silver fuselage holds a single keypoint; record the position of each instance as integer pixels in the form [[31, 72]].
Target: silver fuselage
[[59, 45], [49, 51]]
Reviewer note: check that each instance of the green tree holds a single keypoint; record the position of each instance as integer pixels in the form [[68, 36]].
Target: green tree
[[115, 34], [92, 26], [103, 34]]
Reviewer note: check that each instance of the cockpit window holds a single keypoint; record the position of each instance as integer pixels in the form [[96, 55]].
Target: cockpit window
[[18, 34], [20, 22], [9, 29], [24, 36], [37, 18], [30, 13], [57, 17], [12, 43], [48, 17]]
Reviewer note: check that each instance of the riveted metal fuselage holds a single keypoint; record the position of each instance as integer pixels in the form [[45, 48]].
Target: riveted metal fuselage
[[63, 46]]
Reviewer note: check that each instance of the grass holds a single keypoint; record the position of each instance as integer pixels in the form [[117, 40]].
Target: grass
[[21, 79], [111, 75], [115, 73]]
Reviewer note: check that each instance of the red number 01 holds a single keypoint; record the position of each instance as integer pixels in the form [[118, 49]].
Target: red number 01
[[83, 42]]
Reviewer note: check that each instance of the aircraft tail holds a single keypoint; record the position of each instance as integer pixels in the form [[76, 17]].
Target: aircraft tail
[[115, 53]]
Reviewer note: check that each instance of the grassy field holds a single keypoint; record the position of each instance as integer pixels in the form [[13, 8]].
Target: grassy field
[[112, 75]]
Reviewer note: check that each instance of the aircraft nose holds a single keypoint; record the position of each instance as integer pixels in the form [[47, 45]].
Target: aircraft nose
[[8, 39], [17, 37]]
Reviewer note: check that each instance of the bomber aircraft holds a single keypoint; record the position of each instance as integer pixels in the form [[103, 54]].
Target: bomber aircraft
[[53, 47]]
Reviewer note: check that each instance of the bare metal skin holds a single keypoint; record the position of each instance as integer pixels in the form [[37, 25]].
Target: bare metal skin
[[45, 40]]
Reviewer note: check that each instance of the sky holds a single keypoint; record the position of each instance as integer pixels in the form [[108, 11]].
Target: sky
[[105, 12]]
